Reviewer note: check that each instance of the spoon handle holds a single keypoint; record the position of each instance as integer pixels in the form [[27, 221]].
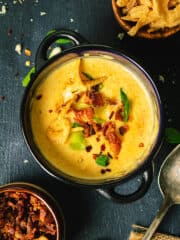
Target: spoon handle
[[167, 203]]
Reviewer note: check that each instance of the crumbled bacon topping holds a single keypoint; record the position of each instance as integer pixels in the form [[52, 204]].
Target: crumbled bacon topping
[[123, 130], [97, 127], [119, 114], [95, 98], [84, 115], [109, 131], [141, 144], [23, 216], [88, 130]]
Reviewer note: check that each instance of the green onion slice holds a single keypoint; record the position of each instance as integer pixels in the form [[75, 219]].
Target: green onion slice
[[125, 101], [75, 124], [60, 41], [102, 160], [172, 135], [27, 78], [77, 141], [87, 75], [98, 120], [63, 41]]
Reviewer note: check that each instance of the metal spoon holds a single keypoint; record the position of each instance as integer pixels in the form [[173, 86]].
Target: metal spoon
[[169, 184]]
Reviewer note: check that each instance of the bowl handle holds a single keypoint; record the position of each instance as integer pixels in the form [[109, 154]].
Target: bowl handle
[[111, 194], [41, 55]]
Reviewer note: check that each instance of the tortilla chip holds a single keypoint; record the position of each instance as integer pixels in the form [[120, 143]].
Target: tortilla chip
[[155, 14], [122, 3]]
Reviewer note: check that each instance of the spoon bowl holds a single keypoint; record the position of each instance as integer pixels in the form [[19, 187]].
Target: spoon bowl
[[169, 185], [169, 176]]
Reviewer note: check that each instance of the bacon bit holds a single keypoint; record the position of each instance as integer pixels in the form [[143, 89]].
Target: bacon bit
[[84, 115], [109, 155], [10, 31], [58, 108], [17, 74], [96, 88], [2, 98], [123, 129], [38, 97], [50, 110], [112, 101], [103, 171], [79, 96], [97, 127], [27, 52], [88, 130], [109, 131], [111, 115], [103, 147], [98, 139], [96, 99], [88, 148], [95, 156], [119, 114], [108, 169], [141, 145]]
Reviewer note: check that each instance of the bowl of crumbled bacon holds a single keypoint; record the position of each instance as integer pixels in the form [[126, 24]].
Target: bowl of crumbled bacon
[[29, 212], [152, 19]]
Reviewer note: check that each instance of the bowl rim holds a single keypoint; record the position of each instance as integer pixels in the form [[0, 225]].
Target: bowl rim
[[60, 175], [141, 33], [45, 197]]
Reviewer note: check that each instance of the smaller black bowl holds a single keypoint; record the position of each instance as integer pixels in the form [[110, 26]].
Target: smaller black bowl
[[142, 33], [20, 196]]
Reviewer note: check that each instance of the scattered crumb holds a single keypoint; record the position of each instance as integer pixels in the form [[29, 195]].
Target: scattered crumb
[[86, 54], [2, 98], [26, 161], [17, 74], [9, 31], [42, 13], [141, 144], [139, 180], [18, 48], [120, 35], [18, 1], [27, 52], [27, 63], [161, 78], [3, 10], [71, 20], [54, 52]]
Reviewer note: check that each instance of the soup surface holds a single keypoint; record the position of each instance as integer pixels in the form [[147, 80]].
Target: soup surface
[[93, 119]]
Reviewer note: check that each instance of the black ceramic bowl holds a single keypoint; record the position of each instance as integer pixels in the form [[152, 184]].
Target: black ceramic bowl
[[15, 199], [43, 66]]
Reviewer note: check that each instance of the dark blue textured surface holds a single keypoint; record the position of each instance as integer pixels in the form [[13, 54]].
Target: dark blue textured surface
[[88, 215]]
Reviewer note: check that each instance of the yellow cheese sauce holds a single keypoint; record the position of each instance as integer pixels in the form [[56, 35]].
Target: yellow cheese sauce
[[52, 118]]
